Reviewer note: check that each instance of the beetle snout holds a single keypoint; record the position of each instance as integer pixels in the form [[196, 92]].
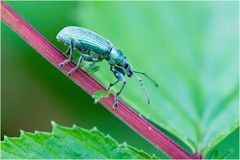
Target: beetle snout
[[129, 73], [128, 70]]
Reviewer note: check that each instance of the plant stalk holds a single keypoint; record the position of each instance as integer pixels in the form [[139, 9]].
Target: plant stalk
[[90, 85]]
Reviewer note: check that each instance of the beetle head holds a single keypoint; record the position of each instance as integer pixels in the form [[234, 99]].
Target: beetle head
[[127, 67], [118, 58], [125, 64]]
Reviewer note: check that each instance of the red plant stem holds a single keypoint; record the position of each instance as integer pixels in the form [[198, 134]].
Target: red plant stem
[[90, 85]]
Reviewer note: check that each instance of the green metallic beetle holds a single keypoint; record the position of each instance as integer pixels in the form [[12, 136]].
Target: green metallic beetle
[[95, 48]]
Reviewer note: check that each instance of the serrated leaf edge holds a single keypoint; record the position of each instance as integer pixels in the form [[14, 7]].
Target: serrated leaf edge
[[55, 127]]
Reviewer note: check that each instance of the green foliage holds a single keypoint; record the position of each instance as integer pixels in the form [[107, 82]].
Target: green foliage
[[218, 154], [190, 49], [70, 143], [101, 94]]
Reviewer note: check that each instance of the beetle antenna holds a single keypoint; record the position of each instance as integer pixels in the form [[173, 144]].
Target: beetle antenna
[[144, 88], [155, 83]]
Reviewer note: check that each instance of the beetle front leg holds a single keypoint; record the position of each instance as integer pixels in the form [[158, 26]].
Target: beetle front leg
[[112, 84], [119, 92], [120, 77], [68, 52]]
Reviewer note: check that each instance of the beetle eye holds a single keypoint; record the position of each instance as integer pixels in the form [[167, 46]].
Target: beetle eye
[[126, 66]]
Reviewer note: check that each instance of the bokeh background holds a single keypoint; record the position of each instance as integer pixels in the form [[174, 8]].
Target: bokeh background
[[33, 92]]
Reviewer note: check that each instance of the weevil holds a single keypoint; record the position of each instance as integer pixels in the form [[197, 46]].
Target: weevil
[[95, 48]]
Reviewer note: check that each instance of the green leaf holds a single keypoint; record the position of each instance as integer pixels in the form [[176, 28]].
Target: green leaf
[[70, 143], [101, 94], [190, 49], [218, 154]]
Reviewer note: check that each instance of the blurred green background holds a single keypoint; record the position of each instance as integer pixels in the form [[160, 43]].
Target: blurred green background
[[34, 92]]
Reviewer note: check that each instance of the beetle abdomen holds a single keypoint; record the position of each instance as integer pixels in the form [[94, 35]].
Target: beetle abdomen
[[88, 39]]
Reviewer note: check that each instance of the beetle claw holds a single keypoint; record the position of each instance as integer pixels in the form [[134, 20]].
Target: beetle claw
[[61, 65], [69, 74], [115, 105]]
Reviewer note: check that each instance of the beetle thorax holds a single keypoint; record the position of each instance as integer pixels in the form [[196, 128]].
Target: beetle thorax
[[116, 57]]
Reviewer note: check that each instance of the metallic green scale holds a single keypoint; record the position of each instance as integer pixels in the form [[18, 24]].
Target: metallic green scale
[[88, 39]]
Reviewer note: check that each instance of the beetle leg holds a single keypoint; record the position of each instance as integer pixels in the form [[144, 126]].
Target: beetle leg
[[121, 78], [67, 51], [115, 105], [88, 58], [70, 52], [91, 66], [120, 91], [112, 84], [69, 74]]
